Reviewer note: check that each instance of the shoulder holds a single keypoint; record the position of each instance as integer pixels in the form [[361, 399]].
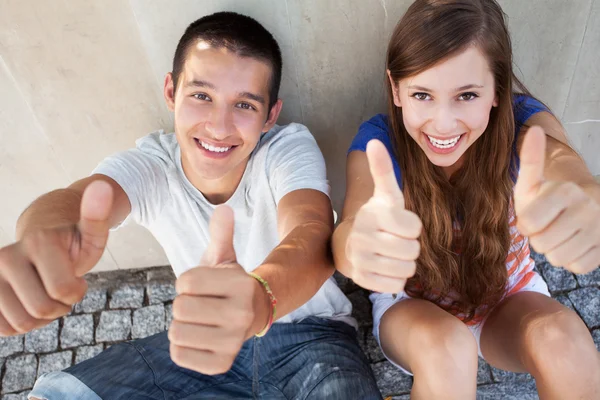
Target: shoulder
[[375, 128]]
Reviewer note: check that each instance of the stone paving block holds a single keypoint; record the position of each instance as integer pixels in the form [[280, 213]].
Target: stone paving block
[[590, 279], [94, 300], [564, 300], [587, 303], [371, 347], [484, 373], [168, 315], [391, 380], [537, 257], [127, 296], [508, 391], [596, 336], [361, 307], [500, 375], [16, 396], [148, 321], [77, 330], [160, 292], [87, 352], [403, 397], [43, 340], [54, 362], [558, 279], [20, 373], [114, 326], [11, 345], [346, 285]]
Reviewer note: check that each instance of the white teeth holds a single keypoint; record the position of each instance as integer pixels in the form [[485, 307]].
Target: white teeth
[[214, 149], [444, 144]]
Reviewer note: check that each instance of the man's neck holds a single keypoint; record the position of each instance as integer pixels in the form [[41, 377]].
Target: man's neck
[[218, 191]]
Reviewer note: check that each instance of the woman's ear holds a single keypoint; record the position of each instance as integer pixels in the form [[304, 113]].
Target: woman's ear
[[395, 90]]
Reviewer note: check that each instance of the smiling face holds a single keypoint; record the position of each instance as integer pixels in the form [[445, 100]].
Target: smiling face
[[220, 110], [447, 108]]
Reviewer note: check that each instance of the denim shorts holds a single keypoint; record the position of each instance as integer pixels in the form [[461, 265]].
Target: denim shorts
[[312, 359]]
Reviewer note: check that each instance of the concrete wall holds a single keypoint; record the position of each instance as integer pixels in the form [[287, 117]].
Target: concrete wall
[[82, 79]]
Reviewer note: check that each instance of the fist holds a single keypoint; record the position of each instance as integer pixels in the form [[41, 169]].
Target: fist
[[560, 218], [383, 244], [214, 309], [41, 275]]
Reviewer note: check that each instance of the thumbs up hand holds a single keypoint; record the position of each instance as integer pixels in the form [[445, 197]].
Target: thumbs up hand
[[560, 218], [218, 305], [41, 274], [383, 243]]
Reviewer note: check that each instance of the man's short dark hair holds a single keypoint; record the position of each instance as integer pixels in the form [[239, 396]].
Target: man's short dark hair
[[237, 33]]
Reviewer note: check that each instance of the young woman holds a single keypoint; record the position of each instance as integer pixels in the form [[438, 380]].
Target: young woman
[[440, 210]]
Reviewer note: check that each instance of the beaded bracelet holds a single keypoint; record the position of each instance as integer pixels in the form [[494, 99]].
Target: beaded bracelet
[[273, 304]]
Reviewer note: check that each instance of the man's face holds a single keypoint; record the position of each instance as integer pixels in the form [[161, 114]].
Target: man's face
[[221, 108]]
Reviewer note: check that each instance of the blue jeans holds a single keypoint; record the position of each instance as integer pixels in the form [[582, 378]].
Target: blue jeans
[[311, 359]]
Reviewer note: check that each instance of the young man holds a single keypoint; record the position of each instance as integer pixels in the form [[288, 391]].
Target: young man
[[226, 149]]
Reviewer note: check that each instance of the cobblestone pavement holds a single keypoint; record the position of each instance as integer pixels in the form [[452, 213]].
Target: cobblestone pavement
[[124, 305]]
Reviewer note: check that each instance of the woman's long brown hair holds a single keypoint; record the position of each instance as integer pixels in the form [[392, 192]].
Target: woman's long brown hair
[[471, 263]]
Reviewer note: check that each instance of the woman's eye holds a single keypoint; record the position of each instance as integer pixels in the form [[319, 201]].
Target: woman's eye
[[421, 96], [468, 96]]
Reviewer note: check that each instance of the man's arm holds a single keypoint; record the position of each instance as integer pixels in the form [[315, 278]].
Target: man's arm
[[297, 268], [61, 207]]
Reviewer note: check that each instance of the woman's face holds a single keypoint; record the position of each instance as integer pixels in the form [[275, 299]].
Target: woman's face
[[447, 107]]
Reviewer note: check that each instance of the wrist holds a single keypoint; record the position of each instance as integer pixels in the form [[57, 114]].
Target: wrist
[[263, 306]]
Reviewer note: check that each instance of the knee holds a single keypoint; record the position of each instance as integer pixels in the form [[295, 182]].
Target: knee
[[560, 341], [345, 385], [444, 343]]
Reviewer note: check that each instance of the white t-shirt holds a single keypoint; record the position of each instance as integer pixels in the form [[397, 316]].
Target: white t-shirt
[[163, 200]]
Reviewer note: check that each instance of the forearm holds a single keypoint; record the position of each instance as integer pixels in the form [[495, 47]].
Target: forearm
[[339, 244], [298, 267], [56, 208], [564, 164]]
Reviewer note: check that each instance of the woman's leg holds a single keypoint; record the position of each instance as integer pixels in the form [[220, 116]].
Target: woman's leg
[[531, 332], [435, 346]]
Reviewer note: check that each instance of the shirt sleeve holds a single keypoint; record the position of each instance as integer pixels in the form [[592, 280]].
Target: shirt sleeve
[[142, 176], [294, 161]]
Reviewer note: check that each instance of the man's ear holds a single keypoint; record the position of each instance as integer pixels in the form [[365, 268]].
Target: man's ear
[[169, 92], [273, 115]]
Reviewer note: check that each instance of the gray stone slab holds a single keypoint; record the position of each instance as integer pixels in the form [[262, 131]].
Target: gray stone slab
[[591, 279], [347, 285], [161, 292], [77, 330], [55, 362], [16, 396], [87, 352], [508, 391], [391, 380], [168, 315], [361, 307], [484, 373], [11, 345], [43, 340], [371, 347], [20, 373], [94, 300], [596, 336], [587, 303], [127, 296], [558, 279], [500, 375], [114, 326], [148, 321]]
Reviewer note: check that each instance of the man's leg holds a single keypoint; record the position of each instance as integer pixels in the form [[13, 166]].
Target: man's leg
[[143, 369], [314, 359]]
